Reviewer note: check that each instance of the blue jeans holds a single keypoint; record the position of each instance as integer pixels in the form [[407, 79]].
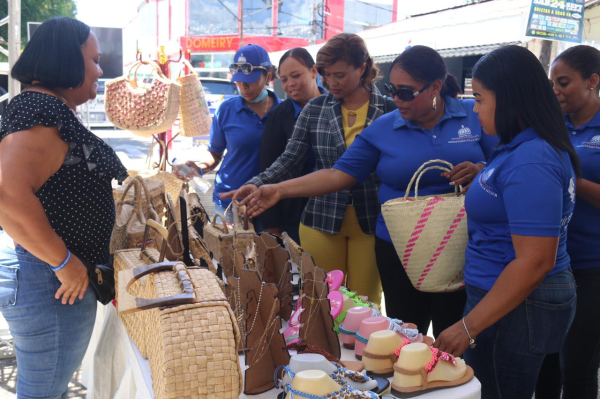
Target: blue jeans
[[50, 338], [509, 354]]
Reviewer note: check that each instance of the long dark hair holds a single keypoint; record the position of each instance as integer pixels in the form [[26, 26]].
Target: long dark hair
[[425, 65], [53, 55], [524, 98], [350, 48], [583, 59]]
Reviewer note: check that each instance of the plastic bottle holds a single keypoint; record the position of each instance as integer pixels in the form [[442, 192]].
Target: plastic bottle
[[199, 184]]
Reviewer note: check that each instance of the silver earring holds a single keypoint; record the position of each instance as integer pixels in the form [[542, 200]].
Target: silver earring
[[434, 104]]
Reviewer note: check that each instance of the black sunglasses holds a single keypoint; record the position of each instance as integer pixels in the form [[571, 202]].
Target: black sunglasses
[[404, 93], [245, 67]]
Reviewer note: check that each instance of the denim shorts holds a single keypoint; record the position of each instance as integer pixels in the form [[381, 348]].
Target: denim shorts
[[50, 338], [509, 354]]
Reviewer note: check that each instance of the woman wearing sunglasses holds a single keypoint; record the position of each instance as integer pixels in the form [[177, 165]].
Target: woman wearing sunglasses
[[238, 125], [431, 124], [337, 226]]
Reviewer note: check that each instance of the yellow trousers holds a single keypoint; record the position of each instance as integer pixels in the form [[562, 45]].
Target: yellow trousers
[[350, 251]]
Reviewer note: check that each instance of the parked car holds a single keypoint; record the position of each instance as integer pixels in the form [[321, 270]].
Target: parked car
[[217, 91]]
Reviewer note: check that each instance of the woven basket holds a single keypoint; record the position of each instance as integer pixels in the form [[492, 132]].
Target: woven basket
[[172, 184], [131, 217], [195, 115], [156, 188], [190, 341], [146, 110], [430, 235]]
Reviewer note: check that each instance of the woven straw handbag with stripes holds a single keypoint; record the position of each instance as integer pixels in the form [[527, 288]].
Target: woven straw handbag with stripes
[[429, 234]]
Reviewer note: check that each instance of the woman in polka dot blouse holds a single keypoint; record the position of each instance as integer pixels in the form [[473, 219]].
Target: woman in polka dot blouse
[[56, 204]]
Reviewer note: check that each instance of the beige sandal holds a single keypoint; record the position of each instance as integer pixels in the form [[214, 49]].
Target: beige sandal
[[427, 386]]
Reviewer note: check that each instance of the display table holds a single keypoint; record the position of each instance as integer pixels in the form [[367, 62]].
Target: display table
[[118, 370]]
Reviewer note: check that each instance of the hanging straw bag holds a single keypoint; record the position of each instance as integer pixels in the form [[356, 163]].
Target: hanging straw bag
[[146, 110], [194, 113], [429, 234], [173, 184], [187, 329], [131, 217]]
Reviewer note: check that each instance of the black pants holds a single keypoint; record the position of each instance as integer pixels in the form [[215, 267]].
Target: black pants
[[403, 301], [580, 357]]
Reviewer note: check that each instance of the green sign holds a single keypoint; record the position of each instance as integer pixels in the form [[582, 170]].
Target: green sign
[[556, 20]]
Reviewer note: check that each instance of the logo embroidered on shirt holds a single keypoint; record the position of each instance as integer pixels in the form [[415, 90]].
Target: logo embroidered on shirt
[[572, 189], [593, 143], [483, 178], [464, 136]]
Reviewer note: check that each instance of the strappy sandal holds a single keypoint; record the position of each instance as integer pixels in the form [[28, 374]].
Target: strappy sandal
[[346, 392], [302, 347], [340, 376], [427, 386], [389, 372]]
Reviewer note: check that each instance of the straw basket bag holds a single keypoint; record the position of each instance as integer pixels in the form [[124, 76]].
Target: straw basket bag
[[187, 329], [131, 217], [218, 236], [430, 235], [194, 113], [146, 110], [173, 185], [156, 188]]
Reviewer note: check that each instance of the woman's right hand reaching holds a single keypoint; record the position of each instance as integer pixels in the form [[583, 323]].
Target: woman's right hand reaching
[[262, 199]]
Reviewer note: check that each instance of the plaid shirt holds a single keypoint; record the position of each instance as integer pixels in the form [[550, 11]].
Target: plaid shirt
[[320, 126]]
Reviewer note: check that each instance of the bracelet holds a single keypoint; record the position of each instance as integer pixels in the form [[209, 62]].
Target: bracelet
[[63, 264], [472, 343]]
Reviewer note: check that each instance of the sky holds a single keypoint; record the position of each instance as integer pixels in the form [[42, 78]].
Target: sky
[[106, 13]]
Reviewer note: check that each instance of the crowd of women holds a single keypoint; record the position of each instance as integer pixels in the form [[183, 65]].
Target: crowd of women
[[318, 166]]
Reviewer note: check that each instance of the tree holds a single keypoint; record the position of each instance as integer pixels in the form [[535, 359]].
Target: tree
[[37, 11]]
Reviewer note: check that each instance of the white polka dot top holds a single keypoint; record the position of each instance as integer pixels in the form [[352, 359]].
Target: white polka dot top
[[78, 198]]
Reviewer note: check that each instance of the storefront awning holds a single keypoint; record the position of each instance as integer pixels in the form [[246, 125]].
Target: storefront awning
[[453, 52]]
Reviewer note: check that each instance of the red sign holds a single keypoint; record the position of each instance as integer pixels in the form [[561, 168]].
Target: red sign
[[232, 43]]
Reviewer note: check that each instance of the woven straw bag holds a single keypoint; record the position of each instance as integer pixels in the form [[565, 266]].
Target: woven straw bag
[[156, 188], [146, 110], [194, 113], [131, 217], [217, 235], [173, 185], [430, 235], [187, 330]]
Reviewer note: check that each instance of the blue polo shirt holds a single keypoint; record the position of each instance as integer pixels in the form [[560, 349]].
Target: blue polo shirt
[[583, 242], [527, 188], [394, 149], [237, 129]]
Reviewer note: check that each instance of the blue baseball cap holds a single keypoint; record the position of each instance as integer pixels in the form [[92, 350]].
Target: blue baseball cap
[[254, 55]]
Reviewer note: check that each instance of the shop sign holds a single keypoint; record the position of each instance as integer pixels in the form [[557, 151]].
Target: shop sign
[[212, 43], [560, 20]]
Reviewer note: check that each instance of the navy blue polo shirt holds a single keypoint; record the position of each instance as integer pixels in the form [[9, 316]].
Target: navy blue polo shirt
[[394, 149], [237, 129], [583, 241], [527, 188]]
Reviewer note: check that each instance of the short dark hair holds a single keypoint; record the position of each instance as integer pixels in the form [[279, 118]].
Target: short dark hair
[[425, 65], [53, 55], [524, 98], [350, 48], [299, 54], [583, 59]]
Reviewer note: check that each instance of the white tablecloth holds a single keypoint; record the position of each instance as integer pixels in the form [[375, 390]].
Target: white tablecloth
[[117, 370]]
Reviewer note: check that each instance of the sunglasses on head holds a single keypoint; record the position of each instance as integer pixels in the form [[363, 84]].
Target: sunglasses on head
[[245, 67], [404, 93]]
